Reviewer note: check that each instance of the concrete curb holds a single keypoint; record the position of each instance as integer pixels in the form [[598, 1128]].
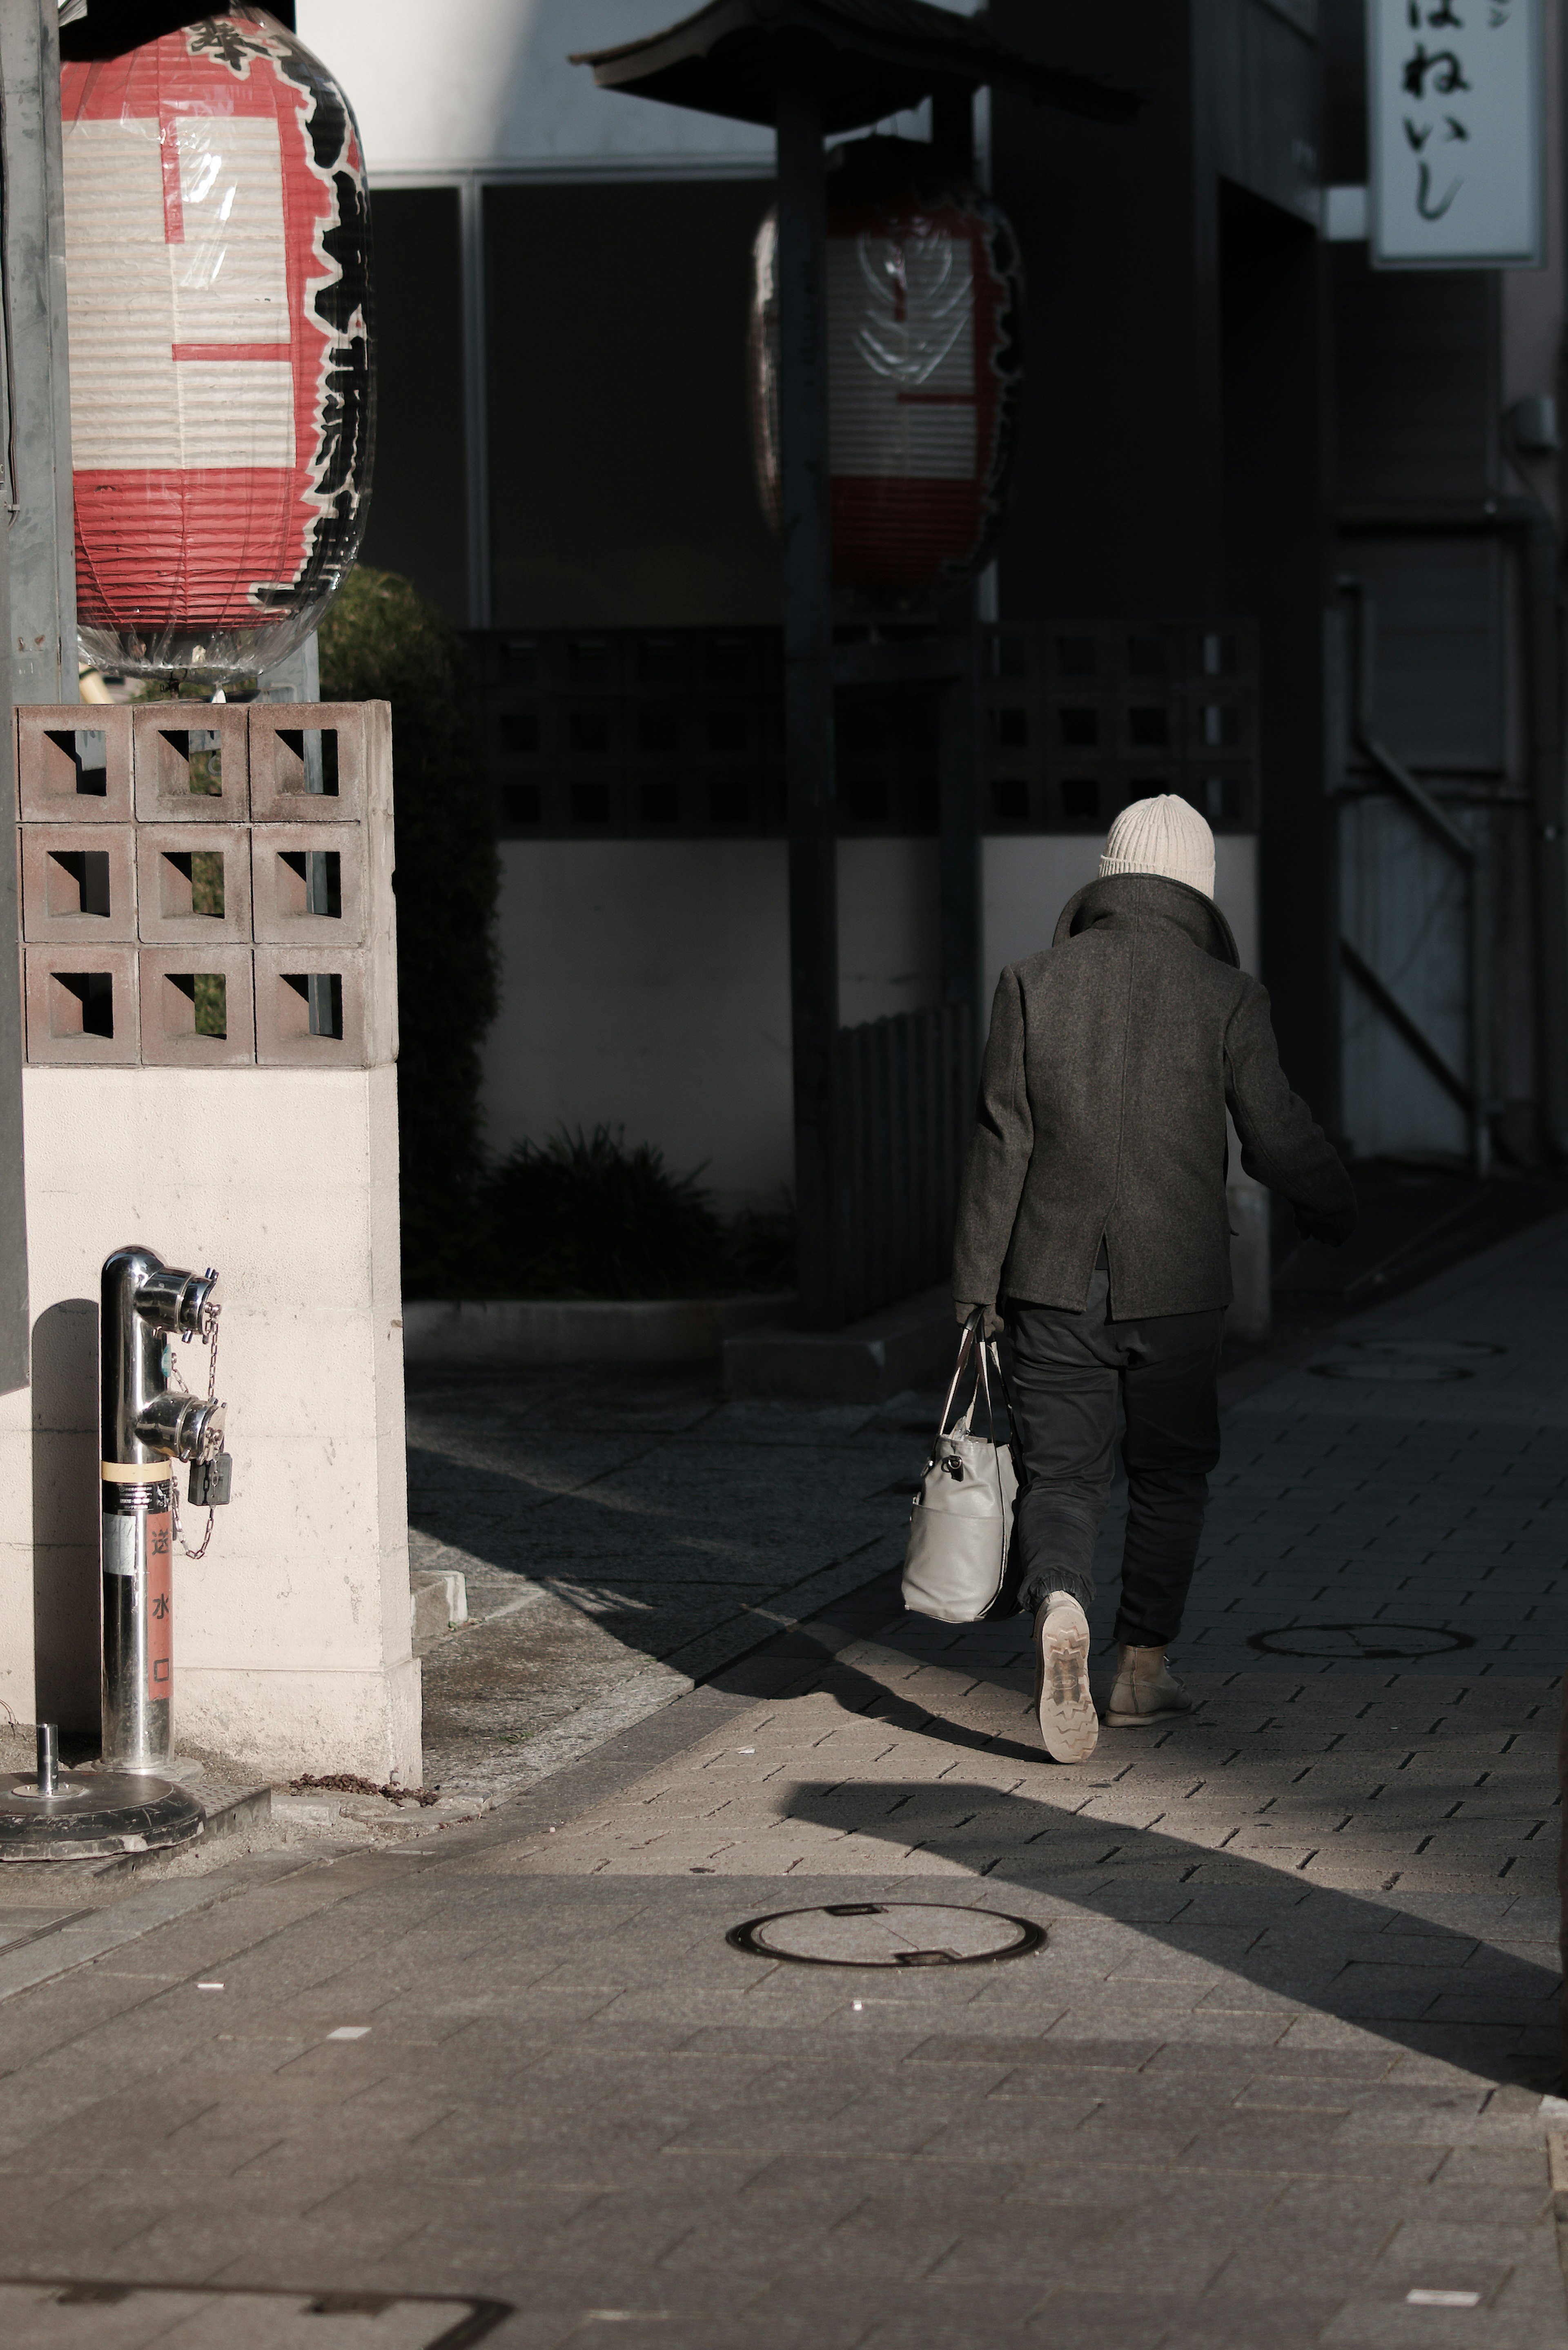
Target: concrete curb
[[581, 1329], [910, 1344], [88, 1935]]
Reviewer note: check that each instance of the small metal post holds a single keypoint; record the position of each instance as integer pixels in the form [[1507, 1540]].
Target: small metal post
[[145, 1428], [808, 693], [48, 1759]]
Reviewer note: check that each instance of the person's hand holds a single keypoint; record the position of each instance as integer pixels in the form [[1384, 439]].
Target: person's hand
[[994, 1325], [1332, 1231]]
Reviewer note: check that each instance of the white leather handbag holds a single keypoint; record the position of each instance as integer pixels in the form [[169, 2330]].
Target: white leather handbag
[[960, 1529]]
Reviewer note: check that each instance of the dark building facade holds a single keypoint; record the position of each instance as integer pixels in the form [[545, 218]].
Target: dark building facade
[[1254, 471]]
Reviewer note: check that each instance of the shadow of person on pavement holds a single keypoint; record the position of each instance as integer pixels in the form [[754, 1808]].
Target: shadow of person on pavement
[[1432, 1989]]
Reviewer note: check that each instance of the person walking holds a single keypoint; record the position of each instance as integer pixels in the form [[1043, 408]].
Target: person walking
[[1093, 1225]]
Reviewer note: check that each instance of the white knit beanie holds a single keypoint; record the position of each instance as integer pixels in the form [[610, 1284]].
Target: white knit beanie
[[1164, 835]]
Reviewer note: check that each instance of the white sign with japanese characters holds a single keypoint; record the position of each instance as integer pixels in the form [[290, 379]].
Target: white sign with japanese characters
[[1454, 118]]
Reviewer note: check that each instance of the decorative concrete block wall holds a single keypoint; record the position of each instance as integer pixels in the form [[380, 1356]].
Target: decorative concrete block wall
[[268, 1150], [267, 826]]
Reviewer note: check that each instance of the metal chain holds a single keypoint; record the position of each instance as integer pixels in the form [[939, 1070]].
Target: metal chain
[[176, 1381], [201, 1551]]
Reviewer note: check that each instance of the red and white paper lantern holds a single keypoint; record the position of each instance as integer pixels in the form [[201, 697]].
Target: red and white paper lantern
[[925, 297], [217, 241]]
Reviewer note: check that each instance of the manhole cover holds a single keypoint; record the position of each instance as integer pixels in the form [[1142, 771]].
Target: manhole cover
[[1418, 1361], [1374, 1643], [887, 1934], [73, 2313]]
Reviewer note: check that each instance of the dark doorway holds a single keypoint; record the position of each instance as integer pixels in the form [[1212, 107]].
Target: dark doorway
[[418, 523]]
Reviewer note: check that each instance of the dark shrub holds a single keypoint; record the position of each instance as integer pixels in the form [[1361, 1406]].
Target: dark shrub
[[382, 643], [584, 1216]]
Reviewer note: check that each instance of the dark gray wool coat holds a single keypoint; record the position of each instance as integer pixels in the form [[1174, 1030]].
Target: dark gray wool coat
[[1112, 1060]]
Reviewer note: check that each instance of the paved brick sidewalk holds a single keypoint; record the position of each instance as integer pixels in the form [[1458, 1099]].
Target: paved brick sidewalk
[[1278, 2068], [624, 1535]]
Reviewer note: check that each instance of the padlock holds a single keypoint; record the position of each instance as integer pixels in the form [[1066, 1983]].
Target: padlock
[[210, 1481]]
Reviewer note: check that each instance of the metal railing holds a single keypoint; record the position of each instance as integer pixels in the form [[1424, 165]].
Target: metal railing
[[907, 1096]]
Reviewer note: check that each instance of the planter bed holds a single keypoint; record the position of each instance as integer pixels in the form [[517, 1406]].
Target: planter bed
[[582, 1330]]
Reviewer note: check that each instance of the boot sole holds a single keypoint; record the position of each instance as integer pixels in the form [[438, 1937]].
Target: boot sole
[[1140, 1721], [1068, 1723]]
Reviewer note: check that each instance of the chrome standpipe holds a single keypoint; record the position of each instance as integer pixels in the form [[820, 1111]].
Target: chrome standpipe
[[148, 1424]]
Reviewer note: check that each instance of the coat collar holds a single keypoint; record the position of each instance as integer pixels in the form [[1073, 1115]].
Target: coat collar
[[1135, 901]]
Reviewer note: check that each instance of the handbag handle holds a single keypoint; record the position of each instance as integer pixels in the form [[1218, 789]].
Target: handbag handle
[[1006, 1392], [973, 1330], [966, 1346], [987, 1346]]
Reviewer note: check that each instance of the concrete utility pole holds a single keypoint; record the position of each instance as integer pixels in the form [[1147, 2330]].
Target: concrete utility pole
[[37, 575], [41, 534], [808, 690]]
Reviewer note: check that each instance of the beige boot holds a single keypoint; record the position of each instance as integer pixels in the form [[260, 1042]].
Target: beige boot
[[1144, 1690], [1068, 1723]]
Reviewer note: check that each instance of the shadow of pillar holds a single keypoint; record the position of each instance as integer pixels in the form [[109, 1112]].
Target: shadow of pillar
[[66, 1513]]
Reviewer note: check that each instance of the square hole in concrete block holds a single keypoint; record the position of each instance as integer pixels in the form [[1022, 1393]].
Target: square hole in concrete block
[[200, 750], [191, 881], [85, 749], [659, 732], [81, 1003], [319, 1008], [308, 760], [76, 881], [190, 1004], [311, 883]]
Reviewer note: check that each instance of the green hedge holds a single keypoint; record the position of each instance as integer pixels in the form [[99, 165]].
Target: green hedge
[[382, 643]]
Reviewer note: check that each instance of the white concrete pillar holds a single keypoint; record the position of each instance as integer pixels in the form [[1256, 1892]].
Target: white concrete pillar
[[291, 1642], [155, 864]]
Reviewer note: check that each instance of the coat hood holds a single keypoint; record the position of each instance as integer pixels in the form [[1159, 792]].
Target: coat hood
[[1140, 898]]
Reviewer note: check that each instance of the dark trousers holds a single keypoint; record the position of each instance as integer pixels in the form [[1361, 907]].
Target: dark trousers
[[1069, 1370]]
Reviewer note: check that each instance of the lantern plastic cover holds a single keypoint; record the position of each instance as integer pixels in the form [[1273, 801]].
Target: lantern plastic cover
[[217, 241], [924, 370]]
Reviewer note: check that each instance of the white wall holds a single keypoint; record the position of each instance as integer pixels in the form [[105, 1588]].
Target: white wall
[[1029, 880], [487, 82], [486, 85], [890, 928], [291, 1637], [646, 985]]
